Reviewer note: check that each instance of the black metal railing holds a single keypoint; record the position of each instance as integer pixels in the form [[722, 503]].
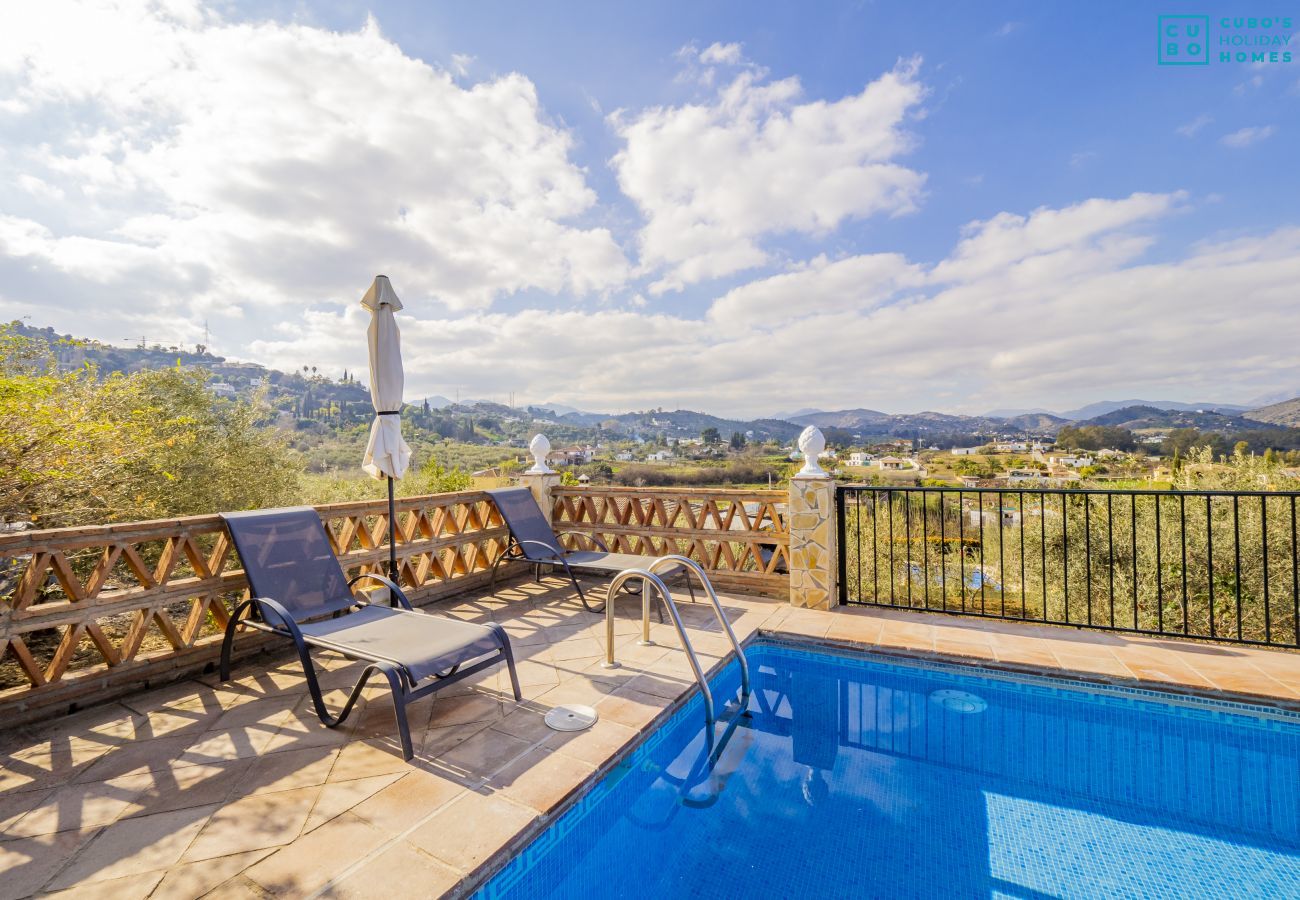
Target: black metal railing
[[1219, 565]]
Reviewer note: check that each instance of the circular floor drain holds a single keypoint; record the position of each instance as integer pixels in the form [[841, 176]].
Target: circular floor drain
[[960, 701], [571, 718]]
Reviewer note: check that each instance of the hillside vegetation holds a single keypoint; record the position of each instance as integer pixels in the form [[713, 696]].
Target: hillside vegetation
[[1286, 413]]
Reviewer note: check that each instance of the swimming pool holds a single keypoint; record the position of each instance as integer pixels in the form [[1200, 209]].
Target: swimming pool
[[856, 776]]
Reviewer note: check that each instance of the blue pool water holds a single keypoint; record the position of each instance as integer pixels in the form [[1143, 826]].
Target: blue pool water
[[855, 777]]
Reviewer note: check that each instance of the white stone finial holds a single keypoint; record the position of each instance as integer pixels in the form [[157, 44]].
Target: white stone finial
[[539, 447], [811, 444]]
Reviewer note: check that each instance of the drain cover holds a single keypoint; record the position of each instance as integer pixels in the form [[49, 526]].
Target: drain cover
[[571, 718], [960, 701]]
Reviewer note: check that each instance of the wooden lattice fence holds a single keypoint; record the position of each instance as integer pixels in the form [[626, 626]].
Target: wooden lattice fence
[[741, 537], [90, 612]]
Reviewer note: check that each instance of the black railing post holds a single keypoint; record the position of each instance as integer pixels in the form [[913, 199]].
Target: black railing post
[[842, 585]]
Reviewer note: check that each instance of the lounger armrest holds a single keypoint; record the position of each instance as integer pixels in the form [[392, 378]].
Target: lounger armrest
[[396, 596], [556, 552], [591, 537], [287, 625]]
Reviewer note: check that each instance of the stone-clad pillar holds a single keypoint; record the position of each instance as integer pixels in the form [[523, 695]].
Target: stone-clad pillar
[[541, 478], [813, 560]]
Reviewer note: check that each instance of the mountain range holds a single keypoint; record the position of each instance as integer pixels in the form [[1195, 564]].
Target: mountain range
[[944, 428]]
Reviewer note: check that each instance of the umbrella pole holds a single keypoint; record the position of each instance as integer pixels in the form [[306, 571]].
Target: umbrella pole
[[392, 532]]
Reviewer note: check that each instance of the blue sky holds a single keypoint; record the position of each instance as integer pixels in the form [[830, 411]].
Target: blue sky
[[743, 207]]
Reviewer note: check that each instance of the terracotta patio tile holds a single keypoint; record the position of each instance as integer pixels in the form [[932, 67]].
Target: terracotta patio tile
[[240, 742], [16, 804], [393, 872], [338, 797], [595, 745], [472, 829], [577, 648], [136, 758], [477, 707], [79, 806], [1100, 664], [631, 708], [407, 800], [1170, 672], [194, 880], [135, 846], [315, 859], [254, 823], [587, 691], [28, 863], [541, 779], [855, 629], [289, 769], [1025, 656], [184, 787], [527, 723], [361, 759], [479, 756], [664, 686], [127, 886]]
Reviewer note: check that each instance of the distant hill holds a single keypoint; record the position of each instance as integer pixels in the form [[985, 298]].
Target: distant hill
[[791, 416], [1013, 413], [1102, 407], [1286, 413], [1272, 397], [1151, 417], [851, 419], [1036, 422]]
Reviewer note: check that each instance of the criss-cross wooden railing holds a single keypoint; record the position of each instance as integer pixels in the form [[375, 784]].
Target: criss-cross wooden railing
[[89, 612], [741, 537]]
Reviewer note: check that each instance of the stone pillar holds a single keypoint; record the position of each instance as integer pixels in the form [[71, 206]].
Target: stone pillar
[[811, 517], [541, 478]]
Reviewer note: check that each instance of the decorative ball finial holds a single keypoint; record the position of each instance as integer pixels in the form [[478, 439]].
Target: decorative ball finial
[[811, 444], [539, 447]]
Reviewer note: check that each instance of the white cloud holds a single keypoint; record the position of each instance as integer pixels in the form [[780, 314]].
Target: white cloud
[[460, 63], [1065, 310], [1008, 28], [722, 54], [1245, 137], [1006, 241], [714, 179], [161, 148], [1190, 129], [853, 284]]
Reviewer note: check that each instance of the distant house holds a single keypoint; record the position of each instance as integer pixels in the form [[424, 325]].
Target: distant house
[[1022, 476], [623, 456], [571, 456], [222, 389], [965, 451], [1011, 446], [660, 456], [892, 463], [1074, 462], [858, 458]]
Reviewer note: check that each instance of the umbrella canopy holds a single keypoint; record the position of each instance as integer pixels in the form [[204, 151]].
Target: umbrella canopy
[[387, 455]]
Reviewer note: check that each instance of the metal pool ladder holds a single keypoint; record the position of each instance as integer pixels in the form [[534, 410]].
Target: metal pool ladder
[[651, 581]]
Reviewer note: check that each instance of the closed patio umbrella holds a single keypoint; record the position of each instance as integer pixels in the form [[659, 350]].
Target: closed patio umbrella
[[387, 454]]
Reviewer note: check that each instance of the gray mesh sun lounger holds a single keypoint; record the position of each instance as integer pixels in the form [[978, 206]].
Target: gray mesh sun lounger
[[299, 591], [533, 540]]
